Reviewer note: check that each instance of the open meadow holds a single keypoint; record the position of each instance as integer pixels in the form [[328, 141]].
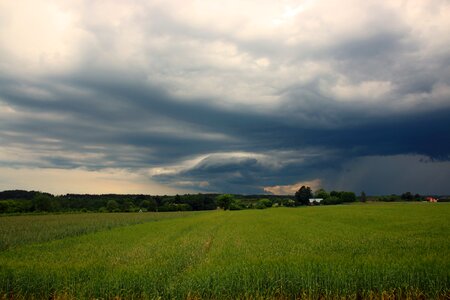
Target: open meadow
[[353, 251]]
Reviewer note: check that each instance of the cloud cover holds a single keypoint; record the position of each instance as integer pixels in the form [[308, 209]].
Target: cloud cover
[[237, 97]]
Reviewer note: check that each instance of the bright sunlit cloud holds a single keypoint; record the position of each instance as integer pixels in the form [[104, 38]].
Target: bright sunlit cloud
[[291, 189], [62, 181]]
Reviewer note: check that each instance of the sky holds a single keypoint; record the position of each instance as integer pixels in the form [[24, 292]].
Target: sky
[[165, 97]]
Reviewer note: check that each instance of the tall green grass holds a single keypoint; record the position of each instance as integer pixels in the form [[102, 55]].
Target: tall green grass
[[26, 229], [354, 251]]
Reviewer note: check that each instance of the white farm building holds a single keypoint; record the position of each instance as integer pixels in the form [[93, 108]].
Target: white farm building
[[311, 200]]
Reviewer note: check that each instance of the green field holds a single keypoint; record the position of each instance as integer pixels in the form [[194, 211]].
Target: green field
[[372, 250], [27, 229]]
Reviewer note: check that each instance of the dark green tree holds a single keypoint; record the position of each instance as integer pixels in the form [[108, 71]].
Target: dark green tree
[[149, 205], [265, 202], [236, 204], [348, 197], [224, 201], [112, 205], [303, 195], [332, 200], [335, 194], [128, 206], [321, 193], [363, 197], [42, 202]]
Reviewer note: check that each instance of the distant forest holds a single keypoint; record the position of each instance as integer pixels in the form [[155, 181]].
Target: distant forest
[[21, 201]]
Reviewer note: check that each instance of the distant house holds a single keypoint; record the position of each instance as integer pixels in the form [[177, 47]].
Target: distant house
[[431, 199], [312, 200]]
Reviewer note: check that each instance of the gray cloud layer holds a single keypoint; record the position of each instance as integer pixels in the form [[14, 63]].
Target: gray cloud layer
[[215, 108]]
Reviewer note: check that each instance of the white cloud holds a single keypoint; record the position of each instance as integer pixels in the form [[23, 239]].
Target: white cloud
[[40, 36], [363, 91], [230, 54]]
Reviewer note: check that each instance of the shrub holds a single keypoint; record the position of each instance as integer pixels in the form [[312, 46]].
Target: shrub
[[289, 203], [175, 207], [266, 202], [332, 200], [260, 205], [348, 197], [236, 205]]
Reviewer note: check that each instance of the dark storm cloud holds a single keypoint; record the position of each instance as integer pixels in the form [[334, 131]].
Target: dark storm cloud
[[118, 115], [236, 174], [186, 104], [137, 126], [409, 136]]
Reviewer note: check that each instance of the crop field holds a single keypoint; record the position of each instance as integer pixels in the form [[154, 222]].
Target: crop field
[[27, 229], [399, 250]]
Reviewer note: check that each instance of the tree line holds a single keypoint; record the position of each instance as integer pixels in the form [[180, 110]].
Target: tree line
[[20, 201], [304, 196]]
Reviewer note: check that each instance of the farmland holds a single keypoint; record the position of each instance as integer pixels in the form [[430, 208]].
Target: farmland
[[26, 229], [371, 250]]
